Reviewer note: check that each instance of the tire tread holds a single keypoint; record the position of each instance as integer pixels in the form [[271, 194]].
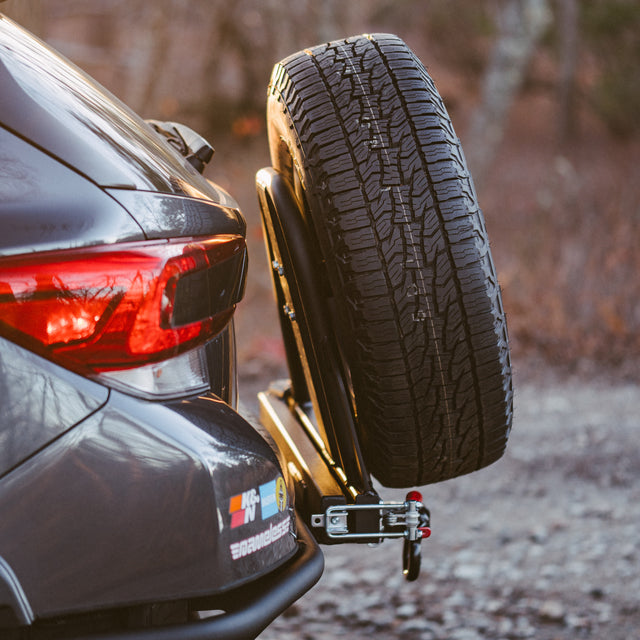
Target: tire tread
[[407, 256]]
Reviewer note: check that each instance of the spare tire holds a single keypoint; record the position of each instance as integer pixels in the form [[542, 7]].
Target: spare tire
[[359, 131]]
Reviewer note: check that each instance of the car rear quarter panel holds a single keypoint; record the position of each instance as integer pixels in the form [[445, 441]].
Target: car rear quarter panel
[[134, 505]]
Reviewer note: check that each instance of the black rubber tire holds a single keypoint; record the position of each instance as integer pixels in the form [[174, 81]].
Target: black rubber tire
[[360, 132]]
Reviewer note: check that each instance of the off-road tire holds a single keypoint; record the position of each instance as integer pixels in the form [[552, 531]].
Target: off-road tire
[[359, 130]]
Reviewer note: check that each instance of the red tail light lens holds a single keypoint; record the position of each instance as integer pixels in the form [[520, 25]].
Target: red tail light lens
[[121, 306]]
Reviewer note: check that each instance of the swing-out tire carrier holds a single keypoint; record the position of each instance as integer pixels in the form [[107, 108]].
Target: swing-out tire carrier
[[334, 511]]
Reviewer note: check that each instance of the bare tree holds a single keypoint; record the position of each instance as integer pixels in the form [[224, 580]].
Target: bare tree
[[521, 24], [29, 13], [568, 31], [152, 50]]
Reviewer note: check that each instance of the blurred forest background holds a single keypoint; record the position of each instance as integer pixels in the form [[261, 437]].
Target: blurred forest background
[[545, 95]]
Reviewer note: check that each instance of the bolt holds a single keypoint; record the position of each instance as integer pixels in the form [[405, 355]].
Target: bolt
[[335, 520], [290, 312], [277, 267]]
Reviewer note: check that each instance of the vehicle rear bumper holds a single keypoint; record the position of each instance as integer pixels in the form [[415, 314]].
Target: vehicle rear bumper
[[250, 609]]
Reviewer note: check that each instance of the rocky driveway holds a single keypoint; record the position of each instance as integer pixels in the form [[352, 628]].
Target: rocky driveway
[[544, 544]]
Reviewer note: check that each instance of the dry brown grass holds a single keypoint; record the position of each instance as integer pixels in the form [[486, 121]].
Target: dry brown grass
[[564, 225], [565, 228]]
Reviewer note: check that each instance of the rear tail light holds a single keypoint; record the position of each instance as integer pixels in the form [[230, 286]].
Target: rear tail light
[[113, 308]]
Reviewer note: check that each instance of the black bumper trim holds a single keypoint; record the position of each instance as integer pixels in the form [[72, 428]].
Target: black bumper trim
[[262, 602]]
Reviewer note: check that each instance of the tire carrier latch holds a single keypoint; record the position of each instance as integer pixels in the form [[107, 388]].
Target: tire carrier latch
[[409, 520]]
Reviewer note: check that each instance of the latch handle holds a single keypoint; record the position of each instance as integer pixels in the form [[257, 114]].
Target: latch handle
[[409, 520]]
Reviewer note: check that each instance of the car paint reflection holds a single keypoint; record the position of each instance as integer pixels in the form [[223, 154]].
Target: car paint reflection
[[43, 204], [111, 144], [167, 216], [38, 402]]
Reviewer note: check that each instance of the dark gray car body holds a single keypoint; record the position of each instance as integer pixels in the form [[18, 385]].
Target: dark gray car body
[[109, 502]]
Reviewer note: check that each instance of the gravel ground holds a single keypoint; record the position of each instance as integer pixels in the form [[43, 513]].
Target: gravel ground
[[544, 544]]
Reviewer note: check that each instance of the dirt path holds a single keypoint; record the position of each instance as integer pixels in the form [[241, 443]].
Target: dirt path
[[544, 544]]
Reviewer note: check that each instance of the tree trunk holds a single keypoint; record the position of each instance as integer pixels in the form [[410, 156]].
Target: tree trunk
[[521, 24], [28, 13], [568, 12]]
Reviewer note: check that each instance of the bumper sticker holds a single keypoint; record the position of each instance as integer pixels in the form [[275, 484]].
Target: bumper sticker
[[271, 496], [261, 540], [243, 508]]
